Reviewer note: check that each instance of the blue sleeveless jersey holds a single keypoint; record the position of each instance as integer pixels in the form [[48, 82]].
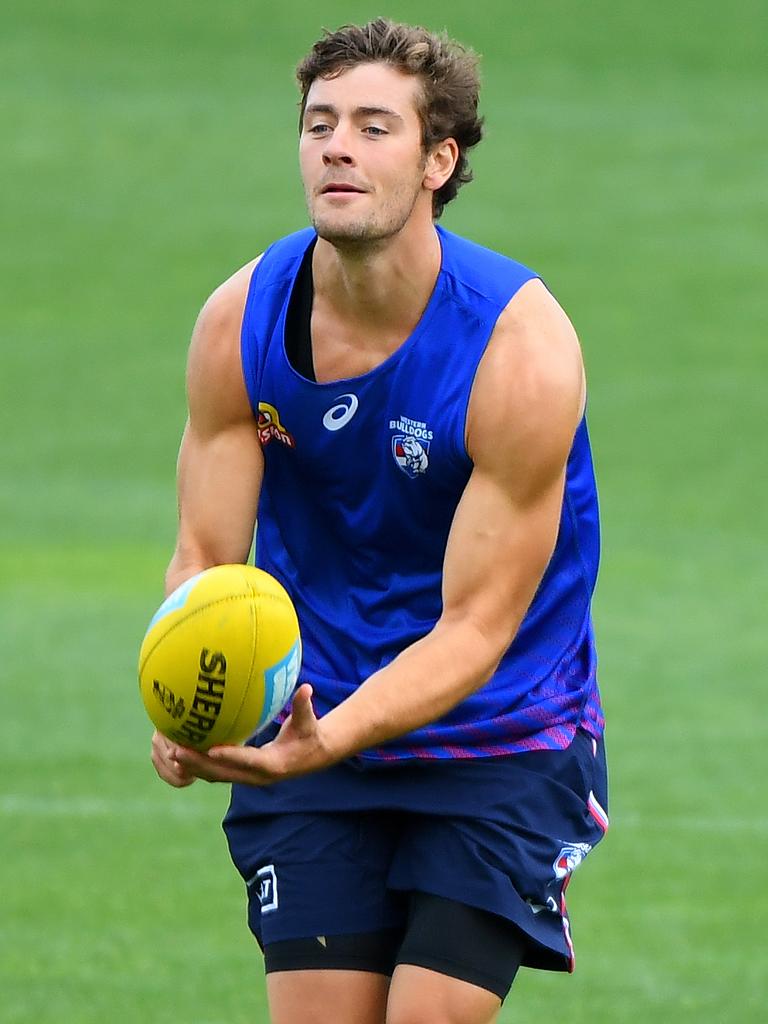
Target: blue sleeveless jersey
[[361, 483]]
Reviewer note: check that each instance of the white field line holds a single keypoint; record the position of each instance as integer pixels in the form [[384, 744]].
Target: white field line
[[17, 805]]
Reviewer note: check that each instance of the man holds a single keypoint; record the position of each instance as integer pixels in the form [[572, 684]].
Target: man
[[405, 410]]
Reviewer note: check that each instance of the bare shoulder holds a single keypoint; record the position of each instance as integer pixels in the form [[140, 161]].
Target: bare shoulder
[[529, 391], [215, 383], [219, 320]]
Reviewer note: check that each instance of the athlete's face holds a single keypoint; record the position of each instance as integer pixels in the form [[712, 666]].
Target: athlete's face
[[362, 161]]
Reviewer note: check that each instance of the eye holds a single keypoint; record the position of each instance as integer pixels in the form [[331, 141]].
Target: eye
[[318, 129], [373, 129]]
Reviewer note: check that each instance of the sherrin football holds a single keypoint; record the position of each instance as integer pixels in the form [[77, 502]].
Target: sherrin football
[[221, 657]]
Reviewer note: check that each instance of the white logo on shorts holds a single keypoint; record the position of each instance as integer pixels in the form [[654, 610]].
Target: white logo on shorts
[[537, 908], [267, 879], [569, 858], [339, 415]]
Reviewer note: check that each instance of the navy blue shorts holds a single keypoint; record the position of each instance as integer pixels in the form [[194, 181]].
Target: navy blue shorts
[[338, 852]]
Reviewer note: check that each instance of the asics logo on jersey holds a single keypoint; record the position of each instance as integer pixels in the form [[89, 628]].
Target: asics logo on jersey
[[339, 415]]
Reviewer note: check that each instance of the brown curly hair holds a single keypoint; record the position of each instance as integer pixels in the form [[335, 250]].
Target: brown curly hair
[[448, 73]]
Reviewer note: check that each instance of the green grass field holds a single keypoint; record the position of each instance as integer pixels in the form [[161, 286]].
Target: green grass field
[[149, 150]]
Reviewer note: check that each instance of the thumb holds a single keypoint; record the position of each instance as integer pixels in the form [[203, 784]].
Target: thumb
[[303, 717]]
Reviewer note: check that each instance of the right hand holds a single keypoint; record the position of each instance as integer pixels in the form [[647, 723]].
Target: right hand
[[166, 766]]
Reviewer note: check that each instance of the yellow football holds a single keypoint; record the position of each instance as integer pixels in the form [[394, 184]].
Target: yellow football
[[221, 657]]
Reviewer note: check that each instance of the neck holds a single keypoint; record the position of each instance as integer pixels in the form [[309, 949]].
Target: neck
[[384, 285]]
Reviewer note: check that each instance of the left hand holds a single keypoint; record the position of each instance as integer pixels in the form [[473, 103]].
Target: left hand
[[296, 750]]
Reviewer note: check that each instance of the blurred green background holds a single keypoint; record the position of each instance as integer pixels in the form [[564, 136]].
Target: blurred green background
[[148, 151]]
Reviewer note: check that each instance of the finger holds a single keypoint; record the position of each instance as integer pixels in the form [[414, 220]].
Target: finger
[[161, 747], [178, 778], [249, 765], [160, 741], [241, 764], [193, 762], [303, 718], [236, 757], [171, 772], [187, 763], [228, 764]]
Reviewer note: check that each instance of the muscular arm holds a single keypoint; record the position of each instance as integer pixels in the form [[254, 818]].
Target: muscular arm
[[220, 463], [526, 403]]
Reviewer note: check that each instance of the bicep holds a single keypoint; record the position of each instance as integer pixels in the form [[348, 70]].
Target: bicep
[[498, 550], [525, 407], [220, 463]]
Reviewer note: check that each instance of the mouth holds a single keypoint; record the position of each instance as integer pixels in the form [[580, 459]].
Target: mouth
[[341, 188]]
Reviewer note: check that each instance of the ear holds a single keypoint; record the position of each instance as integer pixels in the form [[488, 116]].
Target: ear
[[440, 163]]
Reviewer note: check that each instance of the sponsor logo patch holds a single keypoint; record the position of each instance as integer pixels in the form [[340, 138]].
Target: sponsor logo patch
[[270, 428]]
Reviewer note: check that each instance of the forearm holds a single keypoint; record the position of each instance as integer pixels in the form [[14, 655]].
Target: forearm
[[421, 685], [181, 567], [191, 557], [219, 484]]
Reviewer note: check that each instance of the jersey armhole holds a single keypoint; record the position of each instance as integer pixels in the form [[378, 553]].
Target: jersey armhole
[[462, 440], [249, 348], [298, 319]]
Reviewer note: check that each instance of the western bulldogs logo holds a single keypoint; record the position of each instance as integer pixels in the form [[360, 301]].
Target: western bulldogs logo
[[410, 455], [410, 447], [569, 859]]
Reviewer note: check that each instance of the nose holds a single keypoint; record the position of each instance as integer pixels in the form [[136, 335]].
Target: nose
[[337, 149]]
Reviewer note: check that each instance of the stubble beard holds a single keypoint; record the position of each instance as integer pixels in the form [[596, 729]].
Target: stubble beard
[[369, 232]]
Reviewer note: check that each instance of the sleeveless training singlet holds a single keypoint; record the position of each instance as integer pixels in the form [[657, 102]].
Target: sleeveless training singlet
[[362, 479]]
